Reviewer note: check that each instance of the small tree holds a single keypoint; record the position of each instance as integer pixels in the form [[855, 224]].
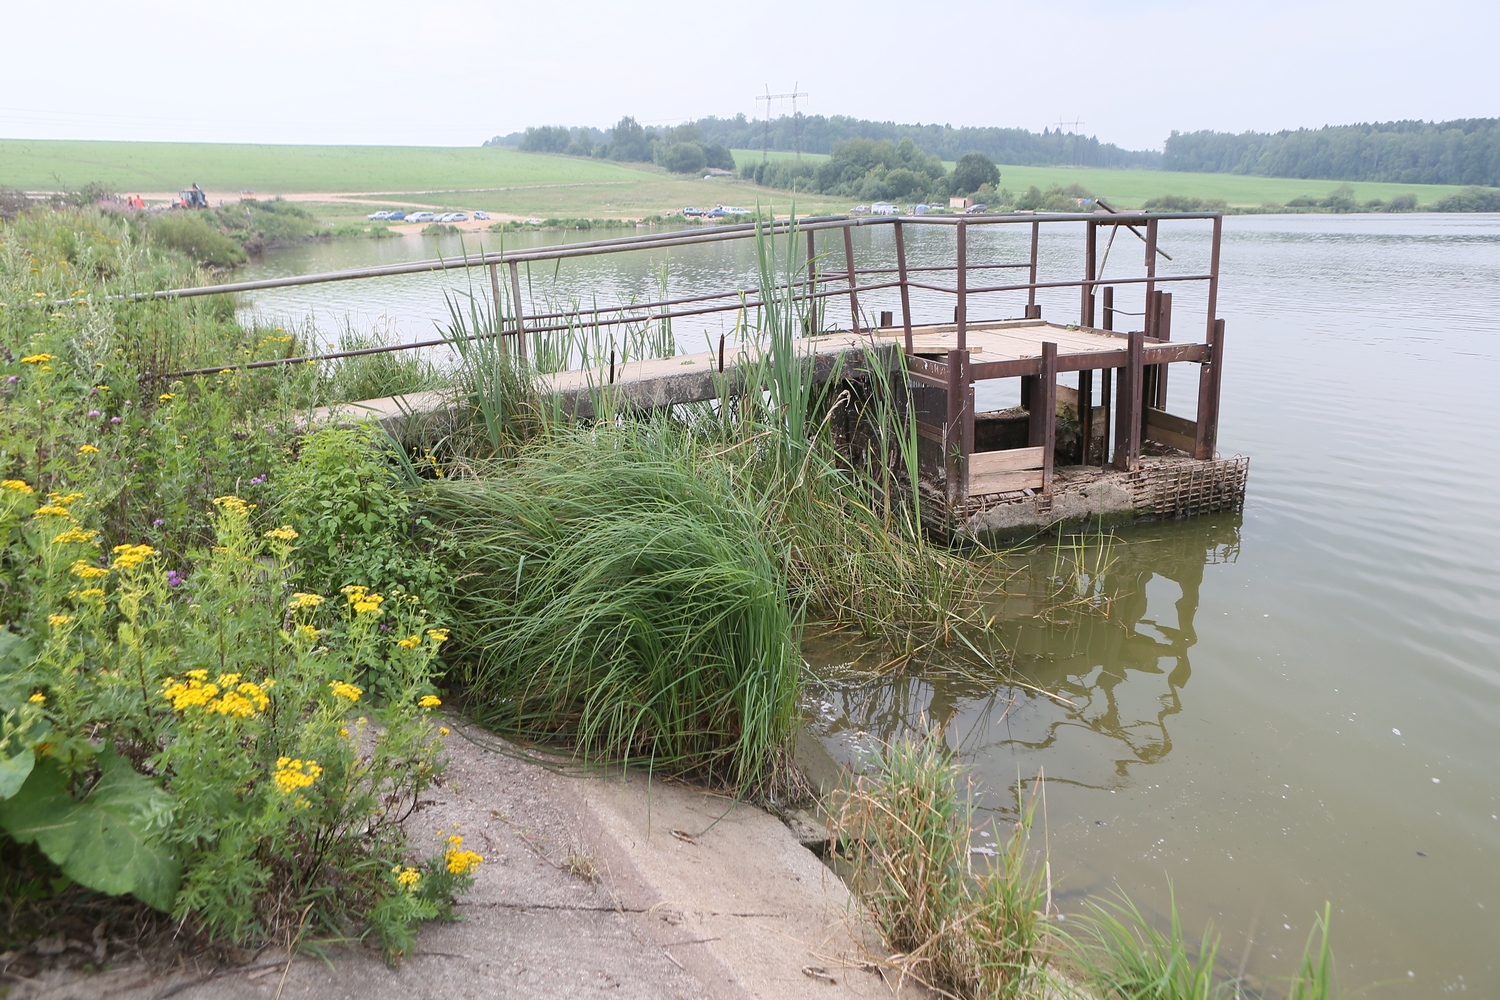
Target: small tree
[[683, 157], [973, 171], [629, 141]]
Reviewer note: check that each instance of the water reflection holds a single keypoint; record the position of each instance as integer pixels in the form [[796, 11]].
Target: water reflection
[[1098, 641]]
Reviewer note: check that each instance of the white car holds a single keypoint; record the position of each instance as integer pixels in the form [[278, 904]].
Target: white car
[[482, 215], [377, 216], [421, 217]]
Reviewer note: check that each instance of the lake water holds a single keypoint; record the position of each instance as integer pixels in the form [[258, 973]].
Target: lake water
[[1288, 706]]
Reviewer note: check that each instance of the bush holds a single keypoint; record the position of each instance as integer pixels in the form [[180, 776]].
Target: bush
[[683, 157], [191, 233], [189, 737], [971, 172], [1470, 199]]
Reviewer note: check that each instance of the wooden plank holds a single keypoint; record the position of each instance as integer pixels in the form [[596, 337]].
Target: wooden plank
[[1006, 482], [1048, 386], [932, 369], [985, 463], [932, 432], [1171, 422]]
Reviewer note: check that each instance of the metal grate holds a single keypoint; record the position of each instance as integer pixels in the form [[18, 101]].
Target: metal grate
[[1182, 489]]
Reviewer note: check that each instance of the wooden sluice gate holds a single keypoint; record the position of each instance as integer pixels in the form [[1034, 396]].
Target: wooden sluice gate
[[1106, 445]]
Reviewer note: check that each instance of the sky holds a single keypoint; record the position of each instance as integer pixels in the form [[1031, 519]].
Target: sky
[[455, 72]]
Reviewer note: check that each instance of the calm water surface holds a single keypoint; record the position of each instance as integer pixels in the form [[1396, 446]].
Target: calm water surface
[[1294, 705]]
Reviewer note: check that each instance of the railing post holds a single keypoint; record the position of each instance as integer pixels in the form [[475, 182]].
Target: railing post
[[1085, 415], [1105, 378], [1150, 261], [961, 317], [1090, 255], [499, 309], [812, 285], [1129, 418], [955, 458], [1048, 393], [849, 266], [905, 289], [515, 294], [1213, 276], [1210, 377], [1163, 332], [1033, 311], [1109, 307]]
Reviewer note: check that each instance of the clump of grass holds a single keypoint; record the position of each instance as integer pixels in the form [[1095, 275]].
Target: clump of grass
[[967, 931], [1124, 955], [618, 598], [374, 376]]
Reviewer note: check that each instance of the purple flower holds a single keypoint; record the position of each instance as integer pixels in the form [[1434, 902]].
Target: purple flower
[[173, 580], [385, 628], [13, 378], [258, 480], [94, 413], [158, 523], [114, 420]]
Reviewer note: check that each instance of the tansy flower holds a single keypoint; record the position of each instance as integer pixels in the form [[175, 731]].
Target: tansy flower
[[411, 642], [16, 486], [64, 499], [292, 774], [51, 510], [76, 536], [460, 862], [343, 689], [300, 600], [407, 878], [343, 731], [285, 533], [91, 593], [87, 449], [85, 570], [165, 397], [131, 556], [234, 505], [307, 631], [429, 701], [438, 635], [37, 359], [443, 730], [38, 699], [56, 621]]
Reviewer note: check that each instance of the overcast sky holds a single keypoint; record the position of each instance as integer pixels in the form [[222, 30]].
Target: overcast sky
[[455, 72]]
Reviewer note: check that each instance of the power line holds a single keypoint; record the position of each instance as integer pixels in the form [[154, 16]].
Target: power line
[[1074, 132], [765, 145]]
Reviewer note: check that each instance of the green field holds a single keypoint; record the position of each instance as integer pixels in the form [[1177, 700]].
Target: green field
[[508, 181], [494, 179], [1132, 188]]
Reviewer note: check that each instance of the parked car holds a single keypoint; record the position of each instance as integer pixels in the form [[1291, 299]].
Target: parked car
[[692, 212], [422, 217], [482, 215], [396, 217], [884, 208], [976, 209], [716, 213], [458, 217], [377, 216]]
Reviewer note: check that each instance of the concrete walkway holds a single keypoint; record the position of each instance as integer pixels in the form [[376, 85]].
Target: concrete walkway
[[591, 887]]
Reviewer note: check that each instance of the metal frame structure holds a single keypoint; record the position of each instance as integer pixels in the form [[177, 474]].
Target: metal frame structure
[[1132, 365]]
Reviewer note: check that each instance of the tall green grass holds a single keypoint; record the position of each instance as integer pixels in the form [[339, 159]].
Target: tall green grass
[[615, 597]]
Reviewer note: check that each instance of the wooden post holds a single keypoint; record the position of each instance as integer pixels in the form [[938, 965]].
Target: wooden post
[[1032, 310], [1048, 408], [1209, 378], [1163, 332], [1213, 277], [1090, 256], [1128, 421], [1109, 307], [812, 285], [961, 319], [1105, 378], [1085, 414], [1150, 259], [905, 290], [849, 265], [499, 308], [954, 466], [520, 314]]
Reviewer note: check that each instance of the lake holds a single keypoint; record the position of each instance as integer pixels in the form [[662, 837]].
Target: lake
[[1283, 707]]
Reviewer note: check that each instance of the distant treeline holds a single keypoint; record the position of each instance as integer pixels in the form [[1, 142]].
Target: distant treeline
[[819, 134], [1408, 152]]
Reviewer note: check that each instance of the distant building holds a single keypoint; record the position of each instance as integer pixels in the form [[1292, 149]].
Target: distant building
[[960, 202], [884, 208]]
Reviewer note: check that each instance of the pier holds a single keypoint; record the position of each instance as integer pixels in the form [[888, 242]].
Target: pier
[[1092, 434]]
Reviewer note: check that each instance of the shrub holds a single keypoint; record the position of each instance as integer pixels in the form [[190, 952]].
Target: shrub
[[190, 737], [191, 233]]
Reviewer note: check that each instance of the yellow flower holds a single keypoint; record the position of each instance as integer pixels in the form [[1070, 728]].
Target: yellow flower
[[37, 359], [64, 499], [51, 510], [193, 694], [91, 593], [16, 486], [343, 731], [285, 533], [460, 862], [87, 449], [165, 397], [407, 878], [198, 675], [38, 699], [57, 621], [292, 774], [438, 635], [234, 505], [85, 570], [76, 536], [343, 689], [411, 642], [429, 701], [131, 556], [307, 632], [443, 730], [300, 600]]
